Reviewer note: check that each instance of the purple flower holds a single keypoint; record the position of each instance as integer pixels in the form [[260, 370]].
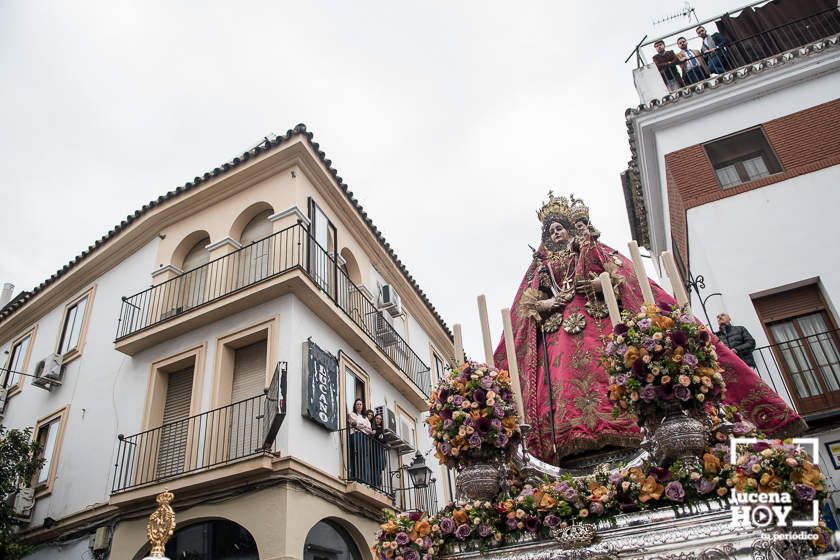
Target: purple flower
[[665, 392], [484, 530], [682, 393], [475, 441], [621, 379], [532, 523], [486, 382], [415, 515], [679, 338], [448, 424], [496, 424], [760, 446], [447, 525], [741, 429], [479, 396], [615, 477], [570, 494], [649, 344], [690, 360], [502, 440], [402, 538], [609, 348], [482, 425], [661, 475], [596, 508], [457, 400], [805, 492], [703, 336], [427, 542], [551, 521], [498, 411], [686, 319], [639, 367], [674, 491], [704, 486], [621, 329], [648, 393], [644, 324], [621, 349], [463, 531], [511, 523], [445, 448], [411, 554]]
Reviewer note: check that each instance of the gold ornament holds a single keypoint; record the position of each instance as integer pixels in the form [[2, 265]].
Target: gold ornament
[[161, 524], [574, 323], [570, 209]]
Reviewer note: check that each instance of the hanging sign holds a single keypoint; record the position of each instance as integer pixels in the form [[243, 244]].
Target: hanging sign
[[320, 403]]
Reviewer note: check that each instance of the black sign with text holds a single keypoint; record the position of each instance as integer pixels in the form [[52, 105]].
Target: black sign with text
[[321, 399]]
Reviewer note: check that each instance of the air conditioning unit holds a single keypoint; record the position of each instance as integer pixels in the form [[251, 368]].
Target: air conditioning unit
[[48, 373], [390, 301], [22, 502], [385, 334], [392, 436], [3, 394], [389, 419]]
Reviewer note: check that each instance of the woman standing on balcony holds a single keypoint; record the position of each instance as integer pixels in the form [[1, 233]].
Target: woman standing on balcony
[[361, 444]]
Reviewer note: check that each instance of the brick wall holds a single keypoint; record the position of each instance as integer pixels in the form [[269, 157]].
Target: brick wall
[[804, 142]]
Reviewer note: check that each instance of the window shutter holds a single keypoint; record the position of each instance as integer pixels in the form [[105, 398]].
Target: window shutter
[[788, 304], [173, 436], [248, 371]]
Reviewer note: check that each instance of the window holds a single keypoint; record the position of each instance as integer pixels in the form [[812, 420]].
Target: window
[[355, 387], [74, 326], [322, 253], [804, 346], [48, 433], [438, 369], [218, 539], [18, 362], [254, 260], [742, 157]]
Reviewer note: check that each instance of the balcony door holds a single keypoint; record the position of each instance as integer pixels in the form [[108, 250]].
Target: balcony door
[[322, 248], [803, 345], [191, 287], [249, 364], [808, 349], [174, 432], [254, 261]]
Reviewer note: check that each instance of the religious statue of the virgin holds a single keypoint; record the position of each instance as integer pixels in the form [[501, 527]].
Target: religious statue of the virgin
[[560, 322]]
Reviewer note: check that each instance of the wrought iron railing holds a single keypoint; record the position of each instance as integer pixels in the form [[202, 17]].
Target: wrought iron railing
[[286, 250], [213, 438], [806, 371], [759, 45], [377, 464]]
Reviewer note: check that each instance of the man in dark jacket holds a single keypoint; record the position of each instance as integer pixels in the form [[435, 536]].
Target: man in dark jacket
[[714, 51], [738, 339]]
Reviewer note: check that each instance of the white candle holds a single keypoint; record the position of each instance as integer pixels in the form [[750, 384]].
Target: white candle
[[459, 345], [485, 330], [670, 266], [513, 367], [609, 298], [641, 274]]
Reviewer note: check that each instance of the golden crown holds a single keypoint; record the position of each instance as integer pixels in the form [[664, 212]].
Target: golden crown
[[570, 209]]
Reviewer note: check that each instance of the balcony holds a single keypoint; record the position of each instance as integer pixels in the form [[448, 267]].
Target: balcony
[[215, 438], [753, 33], [374, 465], [806, 371], [287, 261]]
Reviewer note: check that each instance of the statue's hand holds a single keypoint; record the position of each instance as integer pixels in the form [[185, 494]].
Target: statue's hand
[[596, 285], [547, 305]]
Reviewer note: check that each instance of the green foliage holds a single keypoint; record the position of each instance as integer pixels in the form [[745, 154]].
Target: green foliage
[[19, 461]]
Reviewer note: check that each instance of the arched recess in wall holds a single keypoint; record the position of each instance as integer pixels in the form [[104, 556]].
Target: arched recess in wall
[[191, 251], [334, 539], [247, 217], [256, 259], [213, 539], [351, 266]]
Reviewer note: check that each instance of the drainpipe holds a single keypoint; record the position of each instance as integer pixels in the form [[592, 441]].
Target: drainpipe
[[6, 294]]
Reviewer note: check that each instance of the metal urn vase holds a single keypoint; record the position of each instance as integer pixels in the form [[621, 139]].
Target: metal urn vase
[[478, 482], [679, 436]]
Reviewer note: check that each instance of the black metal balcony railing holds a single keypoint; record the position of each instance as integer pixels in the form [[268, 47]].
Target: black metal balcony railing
[[287, 250], [376, 464], [762, 41], [805, 370]]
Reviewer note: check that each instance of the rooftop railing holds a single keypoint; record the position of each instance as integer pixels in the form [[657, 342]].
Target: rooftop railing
[[805, 370], [751, 33], [287, 250]]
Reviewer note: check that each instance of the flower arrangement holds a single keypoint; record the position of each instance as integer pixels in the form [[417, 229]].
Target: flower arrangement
[[472, 417], [769, 465], [404, 536], [657, 360]]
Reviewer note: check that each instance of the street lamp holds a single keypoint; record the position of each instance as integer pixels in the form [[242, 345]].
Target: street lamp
[[419, 472]]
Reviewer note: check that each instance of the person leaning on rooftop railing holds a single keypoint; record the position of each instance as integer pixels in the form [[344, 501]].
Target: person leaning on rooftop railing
[[714, 51], [736, 338], [667, 63], [693, 66]]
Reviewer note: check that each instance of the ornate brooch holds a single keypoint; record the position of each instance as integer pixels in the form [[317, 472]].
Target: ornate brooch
[[574, 323], [553, 322], [596, 309]]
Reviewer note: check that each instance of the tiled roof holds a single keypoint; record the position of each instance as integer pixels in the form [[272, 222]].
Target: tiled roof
[[639, 224], [21, 299]]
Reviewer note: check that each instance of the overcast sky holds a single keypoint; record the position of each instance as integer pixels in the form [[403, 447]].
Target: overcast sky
[[448, 120]]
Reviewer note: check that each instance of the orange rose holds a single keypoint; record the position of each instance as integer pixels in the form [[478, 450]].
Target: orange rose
[[662, 322], [636, 475], [630, 356], [460, 516], [503, 377], [810, 475], [711, 463], [422, 528], [650, 490], [769, 483], [546, 502]]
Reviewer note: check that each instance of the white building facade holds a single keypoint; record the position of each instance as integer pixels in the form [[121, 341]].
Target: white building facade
[[274, 304], [738, 176]]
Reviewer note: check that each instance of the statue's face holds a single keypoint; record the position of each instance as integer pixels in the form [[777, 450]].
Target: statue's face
[[557, 233], [581, 227]]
